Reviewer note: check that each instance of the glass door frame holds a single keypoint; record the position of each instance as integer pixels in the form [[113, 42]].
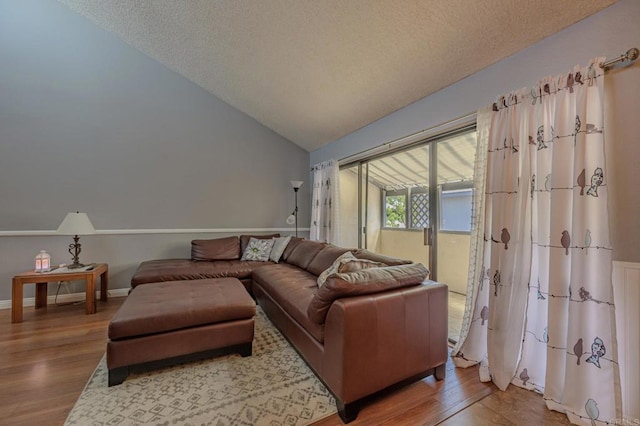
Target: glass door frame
[[431, 236], [434, 203]]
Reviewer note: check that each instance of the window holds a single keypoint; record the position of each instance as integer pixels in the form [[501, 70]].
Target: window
[[406, 208], [395, 209], [455, 206]]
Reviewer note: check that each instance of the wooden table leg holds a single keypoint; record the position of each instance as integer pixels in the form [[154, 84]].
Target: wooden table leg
[[91, 294], [16, 300], [104, 285], [41, 295]]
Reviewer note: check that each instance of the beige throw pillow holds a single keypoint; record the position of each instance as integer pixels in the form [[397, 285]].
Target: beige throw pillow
[[345, 263], [279, 244], [367, 281]]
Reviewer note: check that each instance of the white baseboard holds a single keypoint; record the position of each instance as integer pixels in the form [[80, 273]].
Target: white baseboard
[[66, 298]]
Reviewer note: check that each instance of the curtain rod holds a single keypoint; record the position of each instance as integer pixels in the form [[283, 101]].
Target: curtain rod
[[629, 56]]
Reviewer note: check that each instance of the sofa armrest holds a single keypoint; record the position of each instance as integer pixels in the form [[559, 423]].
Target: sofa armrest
[[374, 341]]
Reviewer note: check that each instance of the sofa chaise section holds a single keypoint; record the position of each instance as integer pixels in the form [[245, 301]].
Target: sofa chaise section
[[153, 271], [217, 258]]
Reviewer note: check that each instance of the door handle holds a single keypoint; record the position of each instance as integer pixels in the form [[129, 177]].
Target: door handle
[[427, 235]]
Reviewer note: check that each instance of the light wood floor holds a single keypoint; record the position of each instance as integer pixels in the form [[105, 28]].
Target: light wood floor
[[46, 361]]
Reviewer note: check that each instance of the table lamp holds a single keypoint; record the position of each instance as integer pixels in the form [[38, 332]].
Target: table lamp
[[76, 224]]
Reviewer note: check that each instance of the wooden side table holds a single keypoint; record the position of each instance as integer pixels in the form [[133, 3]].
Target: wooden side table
[[41, 279]]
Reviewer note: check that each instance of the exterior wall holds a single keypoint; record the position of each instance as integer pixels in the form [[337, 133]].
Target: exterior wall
[[405, 245], [349, 212], [374, 219], [453, 260], [453, 254], [348, 209]]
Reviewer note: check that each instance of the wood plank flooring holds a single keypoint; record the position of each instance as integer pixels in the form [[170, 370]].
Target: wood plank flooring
[[46, 361]]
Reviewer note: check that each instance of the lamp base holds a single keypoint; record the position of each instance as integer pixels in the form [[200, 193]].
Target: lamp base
[[74, 250]]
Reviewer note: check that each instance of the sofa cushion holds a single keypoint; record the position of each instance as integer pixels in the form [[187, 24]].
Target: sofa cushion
[[244, 239], [217, 249], [258, 250], [305, 251], [153, 271], [325, 258], [293, 243], [369, 255], [365, 281], [279, 245], [293, 289]]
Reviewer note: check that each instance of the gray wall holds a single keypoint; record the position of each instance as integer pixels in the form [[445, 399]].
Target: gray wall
[[88, 123], [608, 33]]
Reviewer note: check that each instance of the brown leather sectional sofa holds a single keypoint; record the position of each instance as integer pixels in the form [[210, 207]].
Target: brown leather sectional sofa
[[360, 332]]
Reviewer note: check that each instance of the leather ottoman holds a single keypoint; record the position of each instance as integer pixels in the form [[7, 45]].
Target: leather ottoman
[[179, 321]]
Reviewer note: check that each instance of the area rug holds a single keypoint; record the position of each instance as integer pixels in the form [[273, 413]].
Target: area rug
[[274, 386]]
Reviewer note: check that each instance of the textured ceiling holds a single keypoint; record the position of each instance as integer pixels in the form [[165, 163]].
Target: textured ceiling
[[316, 70]]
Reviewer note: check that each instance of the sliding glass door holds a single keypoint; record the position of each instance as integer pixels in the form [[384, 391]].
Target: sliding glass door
[[455, 159], [350, 207], [415, 204], [398, 204]]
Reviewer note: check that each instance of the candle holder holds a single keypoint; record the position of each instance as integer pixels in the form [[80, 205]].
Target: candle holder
[[43, 262]]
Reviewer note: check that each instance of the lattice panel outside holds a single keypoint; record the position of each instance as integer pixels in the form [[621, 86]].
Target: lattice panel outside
[[420, 210]]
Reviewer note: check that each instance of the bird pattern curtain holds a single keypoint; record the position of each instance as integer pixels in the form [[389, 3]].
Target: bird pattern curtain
[[543, 314], [325, 219]]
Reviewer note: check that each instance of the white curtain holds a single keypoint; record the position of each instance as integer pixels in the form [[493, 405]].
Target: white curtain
[[325, 218], [541, 302]]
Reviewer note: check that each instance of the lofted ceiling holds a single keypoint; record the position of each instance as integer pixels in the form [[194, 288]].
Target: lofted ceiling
[[316, 70]]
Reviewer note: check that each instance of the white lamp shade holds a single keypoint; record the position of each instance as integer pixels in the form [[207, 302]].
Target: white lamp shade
[[296, 184], [76, 224], [291, 220]]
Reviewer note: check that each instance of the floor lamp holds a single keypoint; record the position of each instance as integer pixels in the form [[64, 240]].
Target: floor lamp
[[293, 217]]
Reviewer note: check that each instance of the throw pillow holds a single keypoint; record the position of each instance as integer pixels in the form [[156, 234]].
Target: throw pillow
[[258, 249], [353, 265], [279, 244], [369, 281], [347, 262], [244, 239], [388, 260], [333, 269], [218, 249]]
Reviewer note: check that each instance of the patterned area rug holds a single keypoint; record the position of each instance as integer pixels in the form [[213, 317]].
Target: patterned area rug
[[274, 386]]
